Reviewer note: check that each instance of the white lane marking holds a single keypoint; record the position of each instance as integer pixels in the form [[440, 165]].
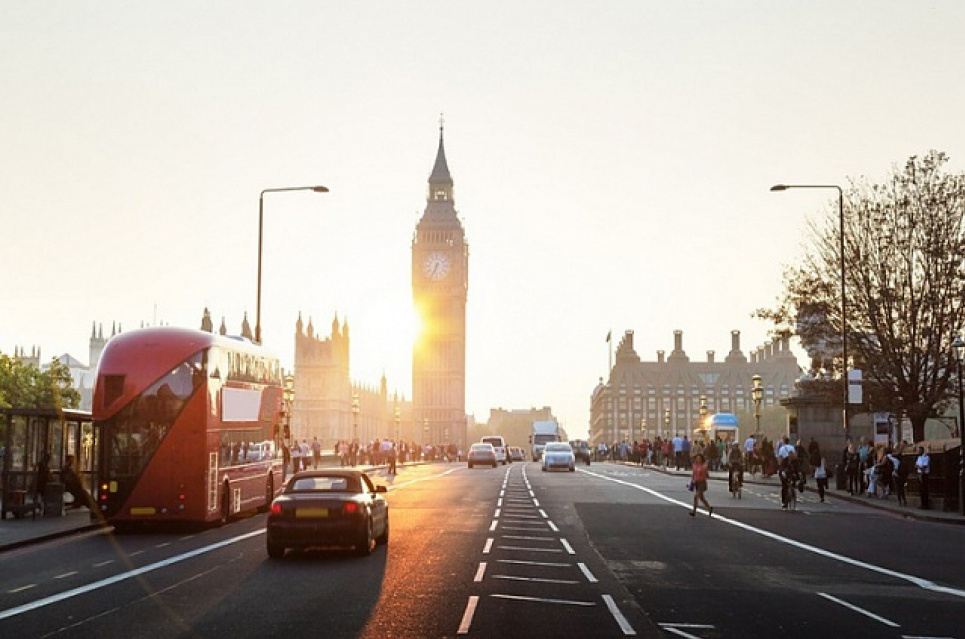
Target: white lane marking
[[552, 526], [498, 510], [541, 580], [74, 592], [167, 543], [532, 494], [542, 600], [488, 546], [493, 525], [918, 581], [625, 626], [480, 571], [499, 503], [923, 637], [535, 502], [545, 564], [66, 574], [22, 588], [534, 538], [569, 548], [680, 633], [103, 563], [524, 525], [866, 613], [703, 626], [136, 553], [543, 513], [518, 516], [467, 616], [530, 549], [586, 571]]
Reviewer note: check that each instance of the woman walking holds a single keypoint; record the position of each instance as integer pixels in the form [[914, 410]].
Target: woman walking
[[699, 479]]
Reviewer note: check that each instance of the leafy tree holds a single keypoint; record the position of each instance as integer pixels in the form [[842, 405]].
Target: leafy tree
[[904, 283], [26, 386]]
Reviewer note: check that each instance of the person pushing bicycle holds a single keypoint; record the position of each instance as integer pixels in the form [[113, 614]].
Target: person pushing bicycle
[[735, 467]]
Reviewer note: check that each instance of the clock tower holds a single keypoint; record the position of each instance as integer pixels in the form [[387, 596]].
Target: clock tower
[[440, 281]]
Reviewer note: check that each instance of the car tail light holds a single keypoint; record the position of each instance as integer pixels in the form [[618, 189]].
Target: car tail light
[[275, 508], [350, 508]]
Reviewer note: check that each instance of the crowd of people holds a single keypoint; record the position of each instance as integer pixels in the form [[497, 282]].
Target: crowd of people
[[304, 455]]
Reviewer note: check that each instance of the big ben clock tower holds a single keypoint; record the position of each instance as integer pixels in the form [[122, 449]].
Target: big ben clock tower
[[440, 281]]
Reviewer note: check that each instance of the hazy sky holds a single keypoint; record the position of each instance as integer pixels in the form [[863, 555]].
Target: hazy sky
[[611, 164]]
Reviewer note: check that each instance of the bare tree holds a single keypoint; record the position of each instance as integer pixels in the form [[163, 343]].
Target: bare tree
[[904, 283]]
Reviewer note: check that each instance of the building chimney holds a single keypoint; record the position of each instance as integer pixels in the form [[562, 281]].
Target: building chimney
[[660, 357], [710, 357], [735, 341], [678, 341]]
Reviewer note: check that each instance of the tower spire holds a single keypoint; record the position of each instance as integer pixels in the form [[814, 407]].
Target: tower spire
[[440, 181]]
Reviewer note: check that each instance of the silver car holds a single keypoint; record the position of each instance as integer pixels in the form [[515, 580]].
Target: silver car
[[558, 456]]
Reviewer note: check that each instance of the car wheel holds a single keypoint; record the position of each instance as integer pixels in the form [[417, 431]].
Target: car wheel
[[363, 547], [275, 551], [383, 539]]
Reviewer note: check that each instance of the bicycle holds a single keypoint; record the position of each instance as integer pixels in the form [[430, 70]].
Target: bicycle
[[735, 483], [792, 496]]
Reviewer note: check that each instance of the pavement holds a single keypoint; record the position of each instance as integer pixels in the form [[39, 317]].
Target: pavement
[[16, 533], [890, 504]]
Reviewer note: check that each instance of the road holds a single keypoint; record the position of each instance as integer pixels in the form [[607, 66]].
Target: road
[[608, 551]]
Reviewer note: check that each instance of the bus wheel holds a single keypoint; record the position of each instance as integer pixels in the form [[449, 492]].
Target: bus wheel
[[269, 494], [225, 506]]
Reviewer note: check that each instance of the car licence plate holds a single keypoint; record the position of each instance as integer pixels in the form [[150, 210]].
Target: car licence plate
[[311, 512]]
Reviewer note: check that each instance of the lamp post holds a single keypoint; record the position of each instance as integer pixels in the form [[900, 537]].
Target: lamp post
[[356, 409], [703, 410], [666, 421], [398, 418], [757, 394], [959, 345], [844, 308], [261, 210], [425, 430], [288, 393]]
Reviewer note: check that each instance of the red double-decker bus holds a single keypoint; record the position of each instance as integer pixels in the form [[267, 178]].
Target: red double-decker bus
[[189, 427]]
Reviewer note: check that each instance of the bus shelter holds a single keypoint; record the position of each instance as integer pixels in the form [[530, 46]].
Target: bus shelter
[[722, 425], [25, 435]]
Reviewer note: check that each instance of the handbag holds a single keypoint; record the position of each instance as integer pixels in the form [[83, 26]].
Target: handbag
[[690, 486]]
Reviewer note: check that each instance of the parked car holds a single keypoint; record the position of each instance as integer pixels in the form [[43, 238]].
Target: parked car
[[516, 454], [322, 508], [558, 455], [581, 450], [482, 453]]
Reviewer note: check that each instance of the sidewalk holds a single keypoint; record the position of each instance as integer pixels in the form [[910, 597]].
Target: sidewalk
[[889, 505]]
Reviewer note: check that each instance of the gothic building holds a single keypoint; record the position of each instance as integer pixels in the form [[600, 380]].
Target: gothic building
[[440, 281], [663, 397]]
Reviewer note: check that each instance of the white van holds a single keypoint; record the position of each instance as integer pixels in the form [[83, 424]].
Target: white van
[[500, 445]]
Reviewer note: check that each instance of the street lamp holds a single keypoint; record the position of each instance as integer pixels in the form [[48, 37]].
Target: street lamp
[[398, 418], [425, 429], [959, 345], [666, 420], [757, 394], [261, 209], [356, 409], [288, 393], [844, 308]]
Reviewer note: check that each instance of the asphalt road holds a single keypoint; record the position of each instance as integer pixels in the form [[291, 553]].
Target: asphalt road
[[608, 551]]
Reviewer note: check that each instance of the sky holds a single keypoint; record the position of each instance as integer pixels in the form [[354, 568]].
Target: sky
[[612, 164]]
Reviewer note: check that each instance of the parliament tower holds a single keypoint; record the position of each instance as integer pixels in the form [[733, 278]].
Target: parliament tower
[[440, 281]]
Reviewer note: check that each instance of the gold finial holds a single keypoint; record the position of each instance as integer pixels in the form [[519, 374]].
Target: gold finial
[[442, 121]]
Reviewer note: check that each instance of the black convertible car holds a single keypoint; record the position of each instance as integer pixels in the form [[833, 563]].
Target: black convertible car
[[325, 508]]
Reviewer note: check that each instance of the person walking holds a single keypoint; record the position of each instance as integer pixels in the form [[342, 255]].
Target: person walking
[[698, 477], [821, 477], [43, 478], [735, 469], [852, 465], [74, 485], [923, 466], [316, 452]]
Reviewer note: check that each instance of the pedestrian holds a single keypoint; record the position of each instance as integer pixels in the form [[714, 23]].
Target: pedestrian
[[43, 477], [698, 479], [852, 465], [316, 452], [296, 457], [392, 455], [74, 486], [923, 466], [821, 477]]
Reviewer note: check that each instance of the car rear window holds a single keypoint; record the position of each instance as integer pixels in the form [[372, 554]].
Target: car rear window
[[330, 484]]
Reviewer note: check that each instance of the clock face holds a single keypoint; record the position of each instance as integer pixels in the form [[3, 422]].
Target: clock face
[[436, 266]]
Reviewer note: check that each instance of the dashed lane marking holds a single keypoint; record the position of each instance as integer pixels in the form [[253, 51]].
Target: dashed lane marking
[[567, 602], [480, 572], [625, 626], [488, 546], [589, 575], [467, 615], [568, 547]]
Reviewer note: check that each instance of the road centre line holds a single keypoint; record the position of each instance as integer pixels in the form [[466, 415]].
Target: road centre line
[[542, 600], [499, 503], [568, 547], [552, 526], [535, 502], [66, 574], [467, 615], [480, 571], [543, 513], [918, 581], [498, 510], [586, 571], [625, 626], [74, 592], [544, 564], [488, 546], [493, 525], [866, 613]]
